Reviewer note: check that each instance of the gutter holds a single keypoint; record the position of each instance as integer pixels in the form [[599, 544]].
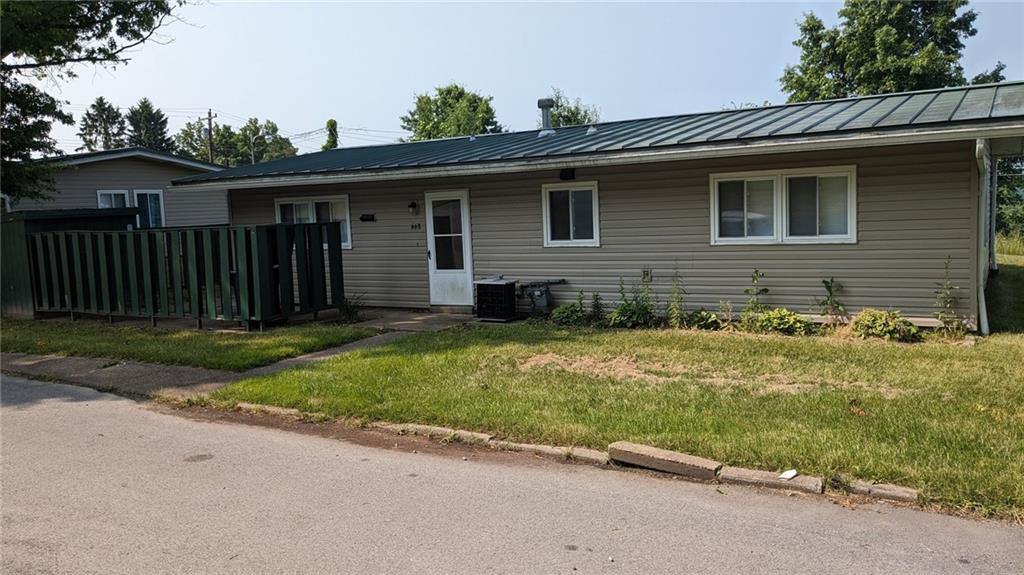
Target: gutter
[[983, 156], [1011, 129]]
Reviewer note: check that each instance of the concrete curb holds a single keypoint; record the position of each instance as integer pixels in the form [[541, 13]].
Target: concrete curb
[[434, 432], [770, 479], [664, 460], [883, 491]]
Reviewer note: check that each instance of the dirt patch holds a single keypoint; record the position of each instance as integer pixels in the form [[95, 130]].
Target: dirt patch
[[618, 367], [625, 367]]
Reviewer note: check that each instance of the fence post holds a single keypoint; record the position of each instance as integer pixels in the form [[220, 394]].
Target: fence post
[[192, 267], [334, 264]]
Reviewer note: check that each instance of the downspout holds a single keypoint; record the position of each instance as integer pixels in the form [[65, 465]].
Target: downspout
[[993, 193], [981, 154]]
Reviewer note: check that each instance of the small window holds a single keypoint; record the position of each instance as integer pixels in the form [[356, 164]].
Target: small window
[[571, 214], [310, 210], [107, 199], [816, 205]]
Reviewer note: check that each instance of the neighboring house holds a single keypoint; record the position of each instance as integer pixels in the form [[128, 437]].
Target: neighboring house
[[875, 191], [133, 177]]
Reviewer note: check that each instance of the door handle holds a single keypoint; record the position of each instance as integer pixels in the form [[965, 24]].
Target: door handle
[[428, 254]]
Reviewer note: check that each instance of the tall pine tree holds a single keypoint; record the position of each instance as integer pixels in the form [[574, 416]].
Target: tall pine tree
[[102, 127], [147, 127]]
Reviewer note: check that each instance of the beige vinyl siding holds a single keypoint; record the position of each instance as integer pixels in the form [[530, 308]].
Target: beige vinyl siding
[[916, 206], [387, 263], [76, 187]]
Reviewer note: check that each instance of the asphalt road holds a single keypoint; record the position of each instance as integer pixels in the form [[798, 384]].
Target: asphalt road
[[94, 483]]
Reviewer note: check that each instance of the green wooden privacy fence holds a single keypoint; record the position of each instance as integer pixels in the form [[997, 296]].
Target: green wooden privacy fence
[[251, 274]]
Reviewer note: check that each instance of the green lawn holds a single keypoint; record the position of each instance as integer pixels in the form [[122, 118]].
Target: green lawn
[[232, 351], [945, 418]]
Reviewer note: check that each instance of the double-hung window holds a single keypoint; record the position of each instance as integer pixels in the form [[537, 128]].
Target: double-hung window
[[814, 205], [571, 214], [316, 210]]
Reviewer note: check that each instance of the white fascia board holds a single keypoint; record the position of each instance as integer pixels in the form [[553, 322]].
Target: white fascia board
[[781, 146]]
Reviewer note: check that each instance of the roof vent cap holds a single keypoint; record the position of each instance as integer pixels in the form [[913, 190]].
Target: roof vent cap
[[591, 130], [545, 105]]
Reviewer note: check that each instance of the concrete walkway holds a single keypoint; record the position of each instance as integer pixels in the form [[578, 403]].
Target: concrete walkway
[[138, 379]]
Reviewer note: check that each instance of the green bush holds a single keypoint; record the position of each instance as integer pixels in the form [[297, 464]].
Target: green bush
[[703, 319], [781, 320], [676, 311], [633, 311], [571, 314], [597, 313], [889, 325]]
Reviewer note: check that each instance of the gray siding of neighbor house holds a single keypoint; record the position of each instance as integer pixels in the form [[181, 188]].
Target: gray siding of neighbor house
[[77, 185], [916, 205]]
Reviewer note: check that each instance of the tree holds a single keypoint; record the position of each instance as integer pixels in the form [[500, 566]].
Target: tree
[[262, 143], [102, 127], [451, 111], [147, 127], [191, 142], [46, 38], [883, 46], [1010, 196], [332, 135], [568, 112]]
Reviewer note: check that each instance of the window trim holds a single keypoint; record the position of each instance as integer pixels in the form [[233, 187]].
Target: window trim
[[546, 190], [346, 242], [163, 211], [781, 205], [125, 193]]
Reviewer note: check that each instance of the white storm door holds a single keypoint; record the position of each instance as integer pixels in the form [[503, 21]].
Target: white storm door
[[449, 251]]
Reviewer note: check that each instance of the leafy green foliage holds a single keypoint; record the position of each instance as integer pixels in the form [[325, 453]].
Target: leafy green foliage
[[254, 142], [147, 127], [332, 135], [830, 306], [883, 46], [888, 325], [449, 112], [26, 115], [635, 310], [952, 324], [46, 39], [754, 307], [781, 320], [1010, 196], [573, 314], [102, 127], [676, 312], [706, 320], [567, 112]]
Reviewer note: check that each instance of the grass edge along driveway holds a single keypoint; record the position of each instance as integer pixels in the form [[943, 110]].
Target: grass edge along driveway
[[229, 351], [947, 419]]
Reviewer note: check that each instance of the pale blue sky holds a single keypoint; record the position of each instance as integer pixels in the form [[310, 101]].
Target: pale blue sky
[[301, 63]]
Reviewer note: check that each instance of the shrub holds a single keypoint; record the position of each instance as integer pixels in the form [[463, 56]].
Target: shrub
[[676, 312], [830, 307], [781, 320], [725, 312], [952, 324], [571, 314], [597, 311], [889, 325], [754, 307], [703, 319], [636, 310]]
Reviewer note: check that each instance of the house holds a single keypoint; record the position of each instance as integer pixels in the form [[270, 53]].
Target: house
[[133, 177], [875, 191]]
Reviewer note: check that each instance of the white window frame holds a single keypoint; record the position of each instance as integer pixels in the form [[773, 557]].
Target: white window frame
[[163, 214], [346, 242], [546, 190], [781, 205], [125, 193]]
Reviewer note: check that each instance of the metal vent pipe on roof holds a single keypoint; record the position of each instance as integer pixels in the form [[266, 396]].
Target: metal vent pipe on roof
[[545, 105]]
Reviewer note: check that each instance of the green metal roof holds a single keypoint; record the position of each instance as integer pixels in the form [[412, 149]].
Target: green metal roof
[[947, 107]]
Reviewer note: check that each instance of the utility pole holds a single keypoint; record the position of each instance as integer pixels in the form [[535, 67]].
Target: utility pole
[[209, 133]]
